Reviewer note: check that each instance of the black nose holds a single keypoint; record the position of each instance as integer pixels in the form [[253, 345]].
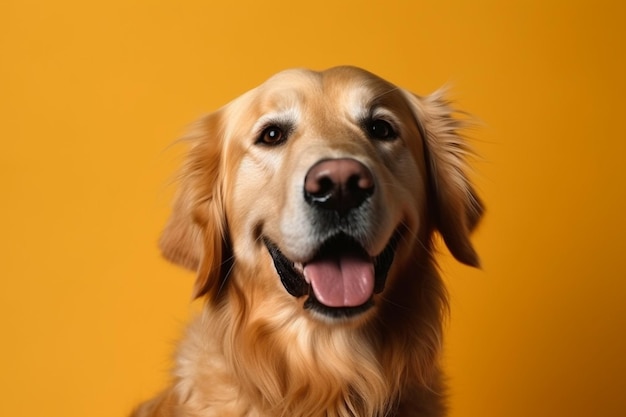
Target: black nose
[[338, 184]]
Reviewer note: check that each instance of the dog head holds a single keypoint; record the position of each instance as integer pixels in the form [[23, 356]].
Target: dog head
[[329, 183]]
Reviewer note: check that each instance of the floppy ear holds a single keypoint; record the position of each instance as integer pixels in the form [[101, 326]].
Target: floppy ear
[[195, 234], [456, 208]]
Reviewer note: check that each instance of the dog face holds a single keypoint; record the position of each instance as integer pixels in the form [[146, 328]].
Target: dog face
[[316, 189]]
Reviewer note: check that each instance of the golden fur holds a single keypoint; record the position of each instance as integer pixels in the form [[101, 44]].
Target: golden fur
[[256, 350]]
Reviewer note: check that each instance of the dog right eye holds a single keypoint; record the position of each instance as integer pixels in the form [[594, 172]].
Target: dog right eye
[[381, 129], [272, 135]]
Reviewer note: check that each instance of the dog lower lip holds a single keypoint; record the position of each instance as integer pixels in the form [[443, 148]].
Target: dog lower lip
[[293, 281], [292, 275], [313, 304]]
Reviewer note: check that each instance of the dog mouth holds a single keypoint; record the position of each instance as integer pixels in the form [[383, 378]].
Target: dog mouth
[[340, 280]]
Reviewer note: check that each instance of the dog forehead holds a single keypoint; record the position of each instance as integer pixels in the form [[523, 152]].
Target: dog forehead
[[340, 89]]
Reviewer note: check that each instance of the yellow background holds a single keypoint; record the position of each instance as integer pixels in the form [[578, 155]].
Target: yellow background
[[93, 93]]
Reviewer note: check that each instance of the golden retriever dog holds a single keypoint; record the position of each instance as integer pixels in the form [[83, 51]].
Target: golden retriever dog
[[308, 207]]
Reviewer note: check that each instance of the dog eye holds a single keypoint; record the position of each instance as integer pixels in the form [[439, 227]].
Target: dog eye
[[381, 129], [272, 135]]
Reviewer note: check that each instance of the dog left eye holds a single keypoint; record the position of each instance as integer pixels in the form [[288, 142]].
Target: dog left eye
[[381, 129], [272, 135]]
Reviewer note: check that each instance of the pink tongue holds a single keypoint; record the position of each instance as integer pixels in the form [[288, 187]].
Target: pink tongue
[[341, 281]]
